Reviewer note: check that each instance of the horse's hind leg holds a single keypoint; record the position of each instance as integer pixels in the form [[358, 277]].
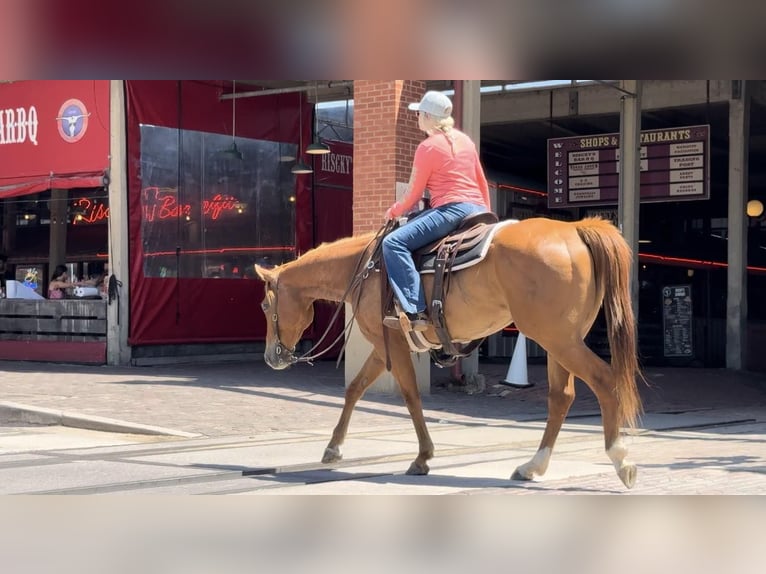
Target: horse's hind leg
[[561, 393], [598, 375], [370, 371]]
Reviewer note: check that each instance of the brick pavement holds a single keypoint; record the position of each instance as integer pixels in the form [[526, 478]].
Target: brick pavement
[[221, 400], [241, 399], [684, 463]]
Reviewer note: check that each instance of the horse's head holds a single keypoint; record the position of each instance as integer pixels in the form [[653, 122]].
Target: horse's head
[[287, 316]]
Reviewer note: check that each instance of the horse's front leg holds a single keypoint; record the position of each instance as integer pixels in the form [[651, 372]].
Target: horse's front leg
[[404, 373], [369, 372]]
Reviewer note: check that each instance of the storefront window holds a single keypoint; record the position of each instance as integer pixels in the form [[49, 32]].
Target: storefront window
[[64, 227], [211, 209]]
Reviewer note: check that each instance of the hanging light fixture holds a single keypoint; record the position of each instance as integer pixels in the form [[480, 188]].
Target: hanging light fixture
[[300, 167], [317, 147], [233, 150]]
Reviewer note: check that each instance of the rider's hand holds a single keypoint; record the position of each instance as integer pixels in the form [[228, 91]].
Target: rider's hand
[[390, 212]]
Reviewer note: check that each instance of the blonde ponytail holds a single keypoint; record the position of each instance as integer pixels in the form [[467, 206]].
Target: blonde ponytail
[[445, 125]]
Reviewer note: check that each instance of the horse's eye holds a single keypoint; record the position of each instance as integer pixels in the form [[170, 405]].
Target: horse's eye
[[265, 306]]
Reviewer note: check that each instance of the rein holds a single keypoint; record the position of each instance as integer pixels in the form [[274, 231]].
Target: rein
[[361, 272]]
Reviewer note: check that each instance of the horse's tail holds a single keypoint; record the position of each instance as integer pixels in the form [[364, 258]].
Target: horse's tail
[[612, 259]]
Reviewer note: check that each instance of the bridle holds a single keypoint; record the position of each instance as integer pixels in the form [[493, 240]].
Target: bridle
[[280, 346], [361, 272]]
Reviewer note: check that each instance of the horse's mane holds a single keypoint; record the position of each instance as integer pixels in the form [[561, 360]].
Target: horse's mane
[[338, 249]]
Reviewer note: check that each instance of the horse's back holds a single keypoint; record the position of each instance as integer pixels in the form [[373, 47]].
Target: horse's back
[[545, 242], [544, 270]]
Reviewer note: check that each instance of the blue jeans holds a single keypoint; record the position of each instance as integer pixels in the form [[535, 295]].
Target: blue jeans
[[398, 246]]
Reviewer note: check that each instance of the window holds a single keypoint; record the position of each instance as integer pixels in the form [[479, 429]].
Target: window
[[213, 210]]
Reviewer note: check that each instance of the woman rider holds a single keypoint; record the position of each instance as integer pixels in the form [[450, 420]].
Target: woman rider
[[447, 164]]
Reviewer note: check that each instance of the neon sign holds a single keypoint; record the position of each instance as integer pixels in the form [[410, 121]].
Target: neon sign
[[162, 203], [159, 203], [88, 211]]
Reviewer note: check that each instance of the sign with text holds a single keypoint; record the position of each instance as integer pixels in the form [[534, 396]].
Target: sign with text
[[337, 167], [677, 321], [585, 170], [53, 129]]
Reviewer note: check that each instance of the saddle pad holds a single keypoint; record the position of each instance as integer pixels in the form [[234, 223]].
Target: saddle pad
[[469, 257]]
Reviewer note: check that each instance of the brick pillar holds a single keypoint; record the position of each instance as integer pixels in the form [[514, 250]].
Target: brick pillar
[[385, 137]]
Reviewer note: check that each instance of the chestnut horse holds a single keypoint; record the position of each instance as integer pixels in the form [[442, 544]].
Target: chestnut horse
[[548, 277]]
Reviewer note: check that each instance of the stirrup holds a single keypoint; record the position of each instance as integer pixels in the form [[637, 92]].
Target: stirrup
[[403, 323], [412, 325]]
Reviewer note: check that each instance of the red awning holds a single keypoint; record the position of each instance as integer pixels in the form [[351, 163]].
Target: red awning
[[54, 135], [36, 185]]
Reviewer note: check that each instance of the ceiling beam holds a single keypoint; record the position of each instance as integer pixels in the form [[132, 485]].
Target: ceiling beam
[[597, 99], [339, 88]]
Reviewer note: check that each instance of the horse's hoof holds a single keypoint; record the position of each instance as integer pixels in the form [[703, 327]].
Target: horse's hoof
[[627, 475], [517, 475], [331, 455], [418, 469]]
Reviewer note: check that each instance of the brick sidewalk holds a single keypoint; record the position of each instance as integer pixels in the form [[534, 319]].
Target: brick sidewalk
[[723, 454], [242, 399]]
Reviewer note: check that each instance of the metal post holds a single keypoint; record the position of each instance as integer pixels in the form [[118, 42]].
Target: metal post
[[470, 115], [630, 175], [58, 229], [736, 280], [117, 349]]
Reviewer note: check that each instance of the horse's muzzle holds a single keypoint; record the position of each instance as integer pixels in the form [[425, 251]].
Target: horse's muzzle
[[278, 357]]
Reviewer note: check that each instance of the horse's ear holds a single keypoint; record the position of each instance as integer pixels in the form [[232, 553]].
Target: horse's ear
[[265, 274]]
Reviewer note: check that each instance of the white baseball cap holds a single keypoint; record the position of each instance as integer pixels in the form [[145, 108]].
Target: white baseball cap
[[435, 104]]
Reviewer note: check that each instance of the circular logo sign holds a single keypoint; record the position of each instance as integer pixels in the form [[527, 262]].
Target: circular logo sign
[[72, 120]]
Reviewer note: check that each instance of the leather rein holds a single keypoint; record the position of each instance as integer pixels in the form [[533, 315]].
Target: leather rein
[[361, 272]]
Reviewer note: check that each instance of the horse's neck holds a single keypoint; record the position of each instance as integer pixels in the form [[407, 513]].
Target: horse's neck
[[326, 272]]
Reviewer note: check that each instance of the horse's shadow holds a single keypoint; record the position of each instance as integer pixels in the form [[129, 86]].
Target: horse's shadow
[[734, 463], [266, 478]]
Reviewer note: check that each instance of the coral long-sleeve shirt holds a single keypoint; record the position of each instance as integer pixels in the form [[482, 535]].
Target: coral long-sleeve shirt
[[448, 165]]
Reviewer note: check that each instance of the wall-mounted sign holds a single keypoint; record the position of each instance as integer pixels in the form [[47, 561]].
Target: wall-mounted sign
[[677, 321], [73, 120], [337, 167], [675, 166]]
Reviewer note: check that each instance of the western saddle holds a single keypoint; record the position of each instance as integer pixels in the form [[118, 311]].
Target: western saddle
[[461, 248]]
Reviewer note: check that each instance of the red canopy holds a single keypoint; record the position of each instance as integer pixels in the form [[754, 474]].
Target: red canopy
[[176, 310], [53, 134]]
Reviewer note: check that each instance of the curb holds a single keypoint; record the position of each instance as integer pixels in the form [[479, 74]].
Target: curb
[[15, 413]]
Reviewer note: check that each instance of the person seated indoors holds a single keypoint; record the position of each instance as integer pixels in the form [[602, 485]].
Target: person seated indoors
[[59, 282], [98, 280], [92, 281]]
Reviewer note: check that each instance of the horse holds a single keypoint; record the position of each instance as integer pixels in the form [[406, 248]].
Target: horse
[[548, 277]]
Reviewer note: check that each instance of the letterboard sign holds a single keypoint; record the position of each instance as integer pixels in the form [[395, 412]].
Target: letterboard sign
[[585, 170], [677, 320]]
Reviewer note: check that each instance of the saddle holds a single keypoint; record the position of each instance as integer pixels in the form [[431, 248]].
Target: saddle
[[465, 246], [462, 245]]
